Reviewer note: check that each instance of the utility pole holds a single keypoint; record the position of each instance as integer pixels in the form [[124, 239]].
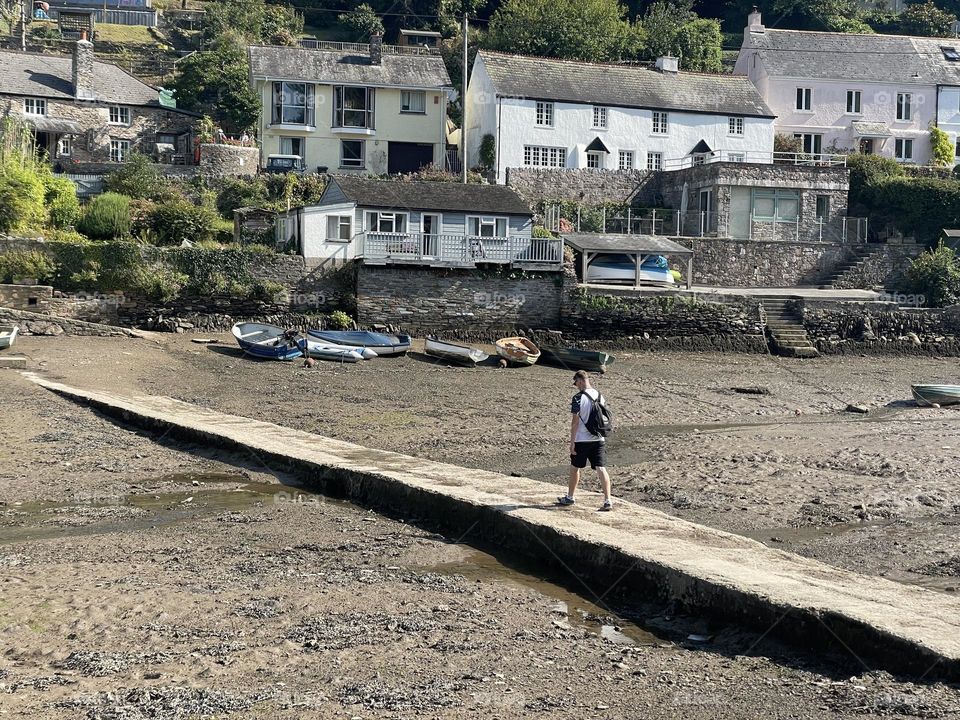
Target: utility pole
[[463, 102]]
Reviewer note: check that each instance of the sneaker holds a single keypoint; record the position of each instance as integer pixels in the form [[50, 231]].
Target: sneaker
[[565, 500], [607, 506]]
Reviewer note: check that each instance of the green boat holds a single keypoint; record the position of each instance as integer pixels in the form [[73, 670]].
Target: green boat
[[936, 394], [576, 359]]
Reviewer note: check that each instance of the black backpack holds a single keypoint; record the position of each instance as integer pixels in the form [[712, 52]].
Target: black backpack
[[600, 420]]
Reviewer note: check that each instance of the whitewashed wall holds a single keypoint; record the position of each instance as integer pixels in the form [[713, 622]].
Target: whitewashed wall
[[627, 129], [481, 111], [948, 113]]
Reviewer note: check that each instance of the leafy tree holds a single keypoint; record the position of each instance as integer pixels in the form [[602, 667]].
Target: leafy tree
[[253, 21], [21, 198], [926, 19], [179, 220], [576, 29], [282, 25], [217, 82], [362, 22], [662, 23], [698, 43], [866, 173], [941, 149], [783, 143]]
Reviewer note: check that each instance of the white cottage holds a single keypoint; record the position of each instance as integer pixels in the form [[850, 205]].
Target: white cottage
[[842, 92], [439, 224], [543, 112]]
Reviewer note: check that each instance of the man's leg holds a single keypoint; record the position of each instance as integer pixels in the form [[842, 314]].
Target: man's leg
[[574, 481], [604, 478]]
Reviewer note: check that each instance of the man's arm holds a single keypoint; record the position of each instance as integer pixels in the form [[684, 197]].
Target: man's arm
[[574, 422]]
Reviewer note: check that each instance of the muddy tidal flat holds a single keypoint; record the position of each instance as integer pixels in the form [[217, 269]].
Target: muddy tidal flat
[[143, 577]]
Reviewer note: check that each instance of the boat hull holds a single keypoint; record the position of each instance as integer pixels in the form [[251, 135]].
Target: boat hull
[[8, 335], [460, 354], [576, 359], [265, 342], [334, 353], [936, 394], [518, 351], [380, 343]]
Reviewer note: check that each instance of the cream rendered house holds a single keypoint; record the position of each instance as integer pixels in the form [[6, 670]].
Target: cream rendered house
[[347, 107]]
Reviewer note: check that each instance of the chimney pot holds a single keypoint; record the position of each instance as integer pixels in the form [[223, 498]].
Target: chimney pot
[[376, 49], [668, 64], [755, 21], [83, 70]]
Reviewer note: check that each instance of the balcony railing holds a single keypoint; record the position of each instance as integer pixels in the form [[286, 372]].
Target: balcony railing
[[760, 158], [459, 250]]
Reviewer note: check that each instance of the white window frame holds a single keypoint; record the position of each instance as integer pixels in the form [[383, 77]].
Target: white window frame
[[119, 149], [544, 156], [594, 160], [626, 160], [654, 161], [804, 101], [386, 216], [491, 221], [901, 145], [407, 104], [116, 115], [344, 117], [343, 222], [284, 94], [905, 107], [35, 106], [545, 116], [599, 117], [65, 146], [854, 102], [363, 156], [734, 126], [737, 157], [661, 122], [814, 142]]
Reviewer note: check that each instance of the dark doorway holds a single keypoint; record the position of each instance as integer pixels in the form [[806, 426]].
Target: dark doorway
[[866, 146], [408, 157]]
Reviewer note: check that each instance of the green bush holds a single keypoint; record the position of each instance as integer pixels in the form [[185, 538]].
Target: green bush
[[20, 264], [22, 196], [62, 203], [941, 149], [107, 217], [161, 284], [138, 178], [918, 206], [239, 192], [936, 276], [179, 220], [265, 290], [339, 320], [488, 151], [539, 231]]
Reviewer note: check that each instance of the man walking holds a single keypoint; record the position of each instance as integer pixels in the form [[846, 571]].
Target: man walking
[[584, 445]]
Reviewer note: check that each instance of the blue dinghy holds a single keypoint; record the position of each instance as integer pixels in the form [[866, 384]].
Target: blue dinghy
[[267, 341], [380, 343]]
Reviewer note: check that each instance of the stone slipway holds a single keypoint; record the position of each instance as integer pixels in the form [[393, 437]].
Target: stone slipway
[[649, 554]]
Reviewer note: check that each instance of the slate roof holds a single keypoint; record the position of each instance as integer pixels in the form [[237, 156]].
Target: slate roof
[[621, 85], [347, 67], [51, 76], [839, 56], [589, 242], [426, 195]]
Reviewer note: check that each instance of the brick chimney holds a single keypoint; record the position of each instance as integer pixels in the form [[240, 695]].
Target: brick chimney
[[755, 21], [83, 69], [376, 49], [668, 64]]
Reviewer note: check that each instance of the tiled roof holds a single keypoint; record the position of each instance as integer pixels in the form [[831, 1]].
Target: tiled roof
[[51, 76], [349, 67], [839, 56], [621, 85], [425, 195]]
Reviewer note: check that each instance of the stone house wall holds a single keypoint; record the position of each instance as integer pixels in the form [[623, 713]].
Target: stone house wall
[[94, 144], [721, 262]]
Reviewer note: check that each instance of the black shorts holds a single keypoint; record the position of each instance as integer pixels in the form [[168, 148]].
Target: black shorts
[[595, 452]]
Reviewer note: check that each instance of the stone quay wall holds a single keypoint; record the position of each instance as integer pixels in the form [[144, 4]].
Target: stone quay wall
[[885, 267], [460, 304], [722, 262]]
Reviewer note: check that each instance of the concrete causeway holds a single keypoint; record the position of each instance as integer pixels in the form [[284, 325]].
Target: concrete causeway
[[651, 555]]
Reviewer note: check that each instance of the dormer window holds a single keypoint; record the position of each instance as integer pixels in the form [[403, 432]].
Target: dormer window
[[35, 106]]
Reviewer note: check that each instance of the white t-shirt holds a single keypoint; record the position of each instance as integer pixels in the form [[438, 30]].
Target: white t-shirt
[[582, 405]]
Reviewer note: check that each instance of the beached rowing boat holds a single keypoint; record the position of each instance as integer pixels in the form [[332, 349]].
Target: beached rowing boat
[[336, 353], [268, 342], [8, 335], [380, 343], [518, 350], [576, 359], [460, 354], [936, 394]]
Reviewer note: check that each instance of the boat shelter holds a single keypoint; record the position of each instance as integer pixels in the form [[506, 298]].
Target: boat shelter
[[638, 247]]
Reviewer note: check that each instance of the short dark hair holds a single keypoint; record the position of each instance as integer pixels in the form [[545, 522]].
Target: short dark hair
[[581, 375]]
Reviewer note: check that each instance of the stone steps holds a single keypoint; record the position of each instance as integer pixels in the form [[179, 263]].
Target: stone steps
[[785, 330], [860, 256]]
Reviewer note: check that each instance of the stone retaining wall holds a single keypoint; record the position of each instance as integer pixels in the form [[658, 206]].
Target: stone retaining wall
[[457, 303], [721, 262], [837, 327], [34, 298], [36, 324], [590, 187], [885, 267]]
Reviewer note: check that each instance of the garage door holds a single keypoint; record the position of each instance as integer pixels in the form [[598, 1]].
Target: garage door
[[408, 157]]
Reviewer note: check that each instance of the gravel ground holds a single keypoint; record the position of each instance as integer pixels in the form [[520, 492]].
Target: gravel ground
[[146, 579]]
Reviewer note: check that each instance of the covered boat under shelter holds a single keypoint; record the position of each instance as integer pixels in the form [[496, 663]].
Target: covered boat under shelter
[[637, 247]]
